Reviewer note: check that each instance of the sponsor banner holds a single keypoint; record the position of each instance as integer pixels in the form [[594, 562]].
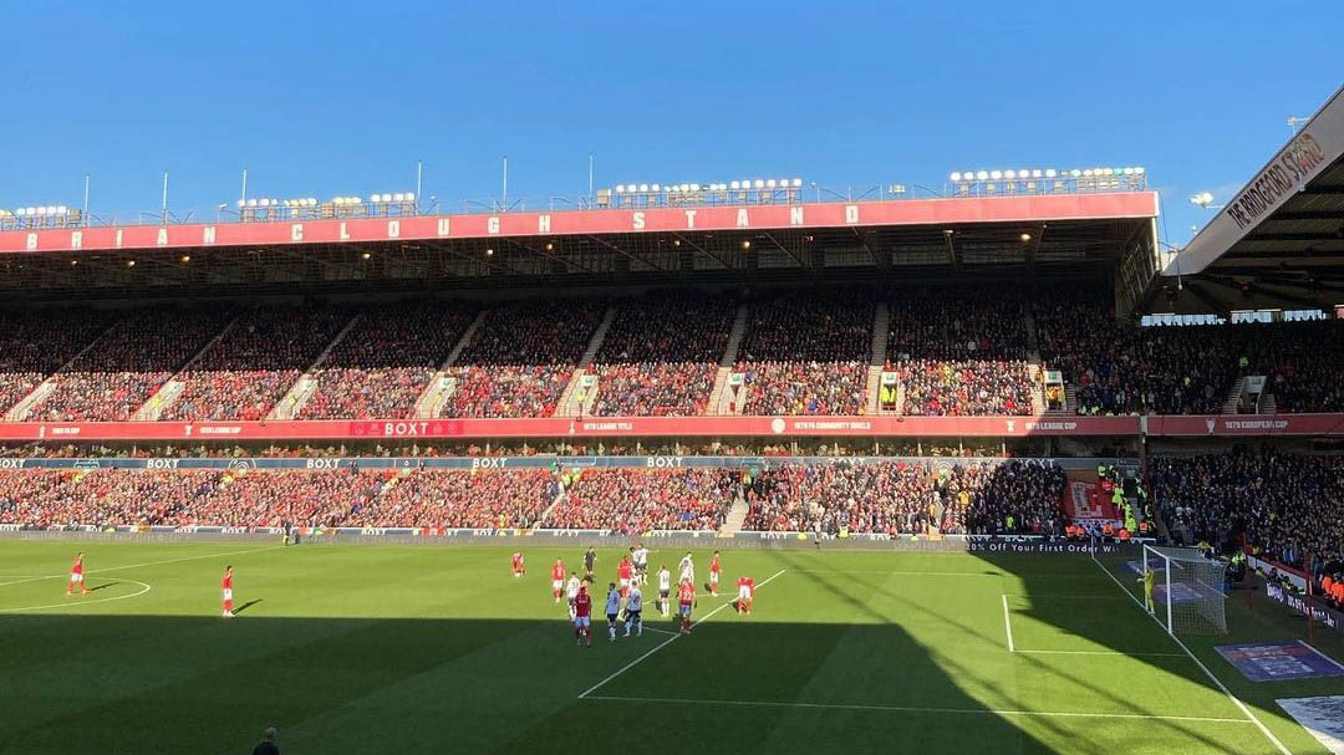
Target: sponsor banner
[[557, 427], [904, 212], [487, 463], [1322, 716], [1038, 544], [1279, 661], [1245, 424], [1326, 615]]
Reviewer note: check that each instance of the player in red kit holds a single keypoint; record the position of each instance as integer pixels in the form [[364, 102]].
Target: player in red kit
[[583, 611], [558, 579], [746, 592], [714, 569], [77, 577], [624, 572], [685, 601], [226, 585], [519, 568]]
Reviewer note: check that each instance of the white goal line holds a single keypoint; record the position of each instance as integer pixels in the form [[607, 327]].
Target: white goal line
[[918, 709], [668, 641], [1012, 646]]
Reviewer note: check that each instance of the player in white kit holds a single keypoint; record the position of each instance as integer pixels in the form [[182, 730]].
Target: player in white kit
[[664, 589], [572, 592]]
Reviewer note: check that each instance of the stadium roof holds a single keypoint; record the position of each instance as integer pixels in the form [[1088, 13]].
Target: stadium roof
[[723, 243], [1280, 240]]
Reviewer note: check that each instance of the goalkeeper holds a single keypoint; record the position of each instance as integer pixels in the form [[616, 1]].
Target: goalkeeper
[[1147, 580]]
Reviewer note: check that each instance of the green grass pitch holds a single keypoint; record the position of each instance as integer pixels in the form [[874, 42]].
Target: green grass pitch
[[425, 649]]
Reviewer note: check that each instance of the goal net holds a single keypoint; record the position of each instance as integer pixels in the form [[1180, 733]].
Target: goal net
[[1187, 589]]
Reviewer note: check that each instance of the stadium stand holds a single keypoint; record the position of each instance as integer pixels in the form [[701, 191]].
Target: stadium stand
[[660, 356], [960, 353], [807, 354], [1282, 505], [131, 361], [386, 361], [521, 359], [34, 345], [634, 501], [242, 376], [902, 497]]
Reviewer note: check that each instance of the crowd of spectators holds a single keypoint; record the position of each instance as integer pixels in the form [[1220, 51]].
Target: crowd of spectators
[[895, 497], [960, 353], [386, 361], [521, 358], [1121, 368], [245, 373], [129, 363], [33, 345], [1282, 505], [1300, 359], [807, 355], [640, 500], [660, 356], [459, 498]]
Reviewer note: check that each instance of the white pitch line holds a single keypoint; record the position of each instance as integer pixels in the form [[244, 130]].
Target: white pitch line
[[902, 573], [77, 603], [1217, 682], [1007, 623], [918, 709], [659, 631], [1119, 653], [1330, 660], [149, 563], [665, 643]]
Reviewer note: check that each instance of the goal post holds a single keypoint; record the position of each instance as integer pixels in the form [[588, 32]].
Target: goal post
[[1188, 589]]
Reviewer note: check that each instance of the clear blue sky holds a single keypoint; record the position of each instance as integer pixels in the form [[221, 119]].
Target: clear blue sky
[[326, 98]]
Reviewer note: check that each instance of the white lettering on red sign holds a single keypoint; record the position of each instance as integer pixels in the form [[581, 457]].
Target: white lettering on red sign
[[345, 232], [118, 238], [401, 429], [543, 224], [77, 240], [32, 242], [690, 219], [296, 232], [638, 221], [208, 235], [796, 215], [162, 239], [443, 227], [851, 213], [742, 220], [393, 229], [492, 224]]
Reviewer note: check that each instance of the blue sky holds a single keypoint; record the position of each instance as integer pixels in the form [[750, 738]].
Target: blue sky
[[324, 99]]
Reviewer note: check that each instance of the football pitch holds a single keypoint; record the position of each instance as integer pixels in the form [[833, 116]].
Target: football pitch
[[382, 648]]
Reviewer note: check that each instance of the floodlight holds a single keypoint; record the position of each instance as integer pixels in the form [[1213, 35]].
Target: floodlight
[[797, 183], [1088, 173], [955, 177], [1010, 174], [996, 174], [655, 188], [410, 196], [41, 211], [982, 175], [1075, 173], [1026, 237], [758, 184], [734, 185], [1108, 171], [695, 187], [398, 197], [1050, 173], [1138, 170], [62, 210], [770, 183], [620, 188]]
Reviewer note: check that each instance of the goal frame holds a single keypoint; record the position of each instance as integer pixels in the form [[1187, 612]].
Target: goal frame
[[1166, 577]]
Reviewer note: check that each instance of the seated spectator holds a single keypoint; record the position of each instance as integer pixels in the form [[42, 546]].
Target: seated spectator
[[632, 501], [33, 345]]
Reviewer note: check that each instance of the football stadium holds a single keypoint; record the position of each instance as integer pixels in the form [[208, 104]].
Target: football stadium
[[1006, 470]]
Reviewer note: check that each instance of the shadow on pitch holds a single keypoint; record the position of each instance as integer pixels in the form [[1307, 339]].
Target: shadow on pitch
[[246, 606], [104, 586]]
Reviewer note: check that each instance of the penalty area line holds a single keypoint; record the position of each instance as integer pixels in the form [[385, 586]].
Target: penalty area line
[[919, 709], [1269, 735], [667, 642]]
